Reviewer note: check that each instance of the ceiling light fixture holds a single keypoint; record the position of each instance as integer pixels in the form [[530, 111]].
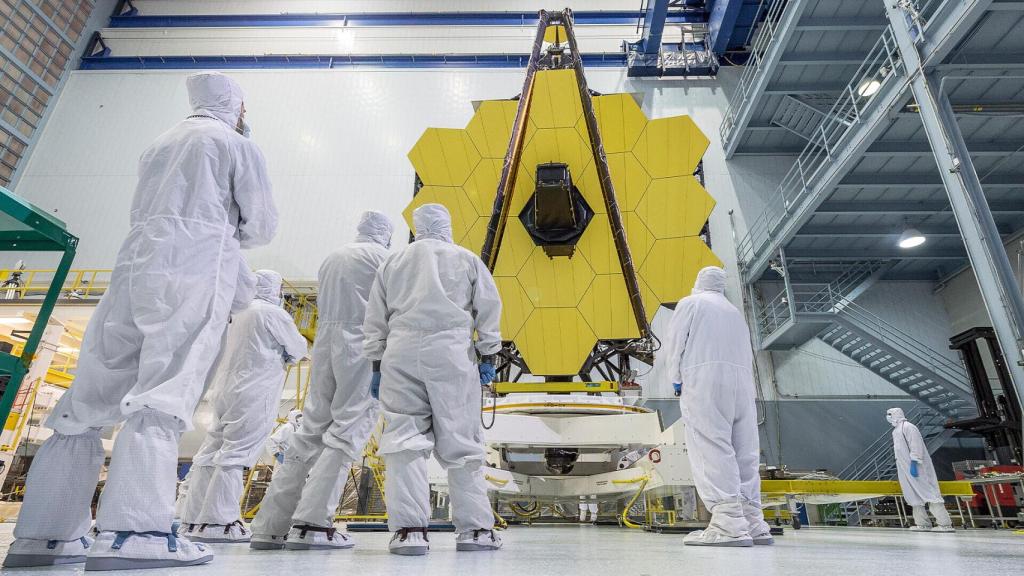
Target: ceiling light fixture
[[868, 88], [911, 238]]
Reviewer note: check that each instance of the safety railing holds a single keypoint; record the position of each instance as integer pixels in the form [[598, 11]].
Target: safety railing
[[773, 314], [951, 371], [18, 284], [300, 302], [814, 297], [763, 38], [872, 77]]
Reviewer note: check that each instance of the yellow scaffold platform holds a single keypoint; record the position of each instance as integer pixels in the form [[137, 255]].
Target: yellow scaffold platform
[[865, 488]]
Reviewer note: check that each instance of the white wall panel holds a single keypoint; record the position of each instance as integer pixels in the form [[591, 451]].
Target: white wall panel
[[356, 40], [962, 297], [336, 144], [169, 7]]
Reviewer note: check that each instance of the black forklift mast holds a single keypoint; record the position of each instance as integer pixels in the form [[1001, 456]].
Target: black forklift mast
[[999, 414]]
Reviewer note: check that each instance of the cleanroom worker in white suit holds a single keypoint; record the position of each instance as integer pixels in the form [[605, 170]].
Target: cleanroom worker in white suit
[[279, 441], [711, 364], [917, 475], [339, 414], [203, 194], [246, 396], [425, 305]]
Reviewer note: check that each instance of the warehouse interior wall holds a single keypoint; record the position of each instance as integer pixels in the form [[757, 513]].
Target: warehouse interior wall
[[336, 144]]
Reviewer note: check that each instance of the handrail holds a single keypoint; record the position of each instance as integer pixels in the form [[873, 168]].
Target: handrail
[[874, 73], [920, 415], [953, 371], [18, 284], [763, 38], [772, 315]]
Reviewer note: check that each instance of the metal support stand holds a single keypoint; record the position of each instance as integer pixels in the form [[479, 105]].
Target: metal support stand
[[992, 269]]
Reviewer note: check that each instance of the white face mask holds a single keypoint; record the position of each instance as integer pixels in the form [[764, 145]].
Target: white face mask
[[245, 130]]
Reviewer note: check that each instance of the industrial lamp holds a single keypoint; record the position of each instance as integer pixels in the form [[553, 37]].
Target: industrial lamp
[[911, 238], [868, 87]]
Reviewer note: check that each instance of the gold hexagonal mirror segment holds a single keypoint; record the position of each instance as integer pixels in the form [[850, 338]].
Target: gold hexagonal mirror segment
[[555, 341], [675, 207], [463, 212], [555, 282], [672, 265], [444, 157]]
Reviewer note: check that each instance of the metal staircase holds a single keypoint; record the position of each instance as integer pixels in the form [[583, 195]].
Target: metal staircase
[[827, 311], [929, 376], [803, 115], [878, 462], [800, 312]]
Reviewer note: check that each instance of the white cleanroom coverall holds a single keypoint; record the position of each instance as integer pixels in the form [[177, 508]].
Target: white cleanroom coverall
[[909, 446], [202, 195], [339, 413], [709, 352], [425, 305], [246, 397]]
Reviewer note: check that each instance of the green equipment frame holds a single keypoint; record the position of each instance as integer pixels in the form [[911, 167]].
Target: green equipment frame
[[26, 228]]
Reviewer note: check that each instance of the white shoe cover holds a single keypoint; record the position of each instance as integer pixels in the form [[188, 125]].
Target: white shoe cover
[[136, 550], [410, 542], [267, 542], [475, 540], [763, 539], [317, 538], [945, 529], [712, 537], [233, 533], [920, 528], [26, 552]]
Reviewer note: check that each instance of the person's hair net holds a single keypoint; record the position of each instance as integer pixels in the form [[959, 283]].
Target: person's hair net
[[895, 416], [710, 279], [215, 94], [432, 221], [268, 286], [375, 227]]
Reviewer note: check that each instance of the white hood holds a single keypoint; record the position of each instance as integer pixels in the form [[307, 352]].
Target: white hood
[[268, 286], [710, 279], [894, 416], [374, 227], [432, 221], [215, 94]]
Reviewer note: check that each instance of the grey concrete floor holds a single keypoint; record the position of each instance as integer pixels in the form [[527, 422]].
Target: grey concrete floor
[[597, 551]]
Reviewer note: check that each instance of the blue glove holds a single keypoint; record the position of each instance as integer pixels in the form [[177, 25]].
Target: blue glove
[[487, 373], [677, 388], [279, 457], [375, 386], [913, 468]]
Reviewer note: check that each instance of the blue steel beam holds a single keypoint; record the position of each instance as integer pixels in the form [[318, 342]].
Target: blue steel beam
[[613, 59], [584, 18], [722, 22], [654, 27]]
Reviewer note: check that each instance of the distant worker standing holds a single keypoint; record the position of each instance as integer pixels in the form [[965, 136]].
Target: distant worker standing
[[246, 397], [427, 303], [203, 194], [917, 475], [339, 414], [279, 441], [711, 365]]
